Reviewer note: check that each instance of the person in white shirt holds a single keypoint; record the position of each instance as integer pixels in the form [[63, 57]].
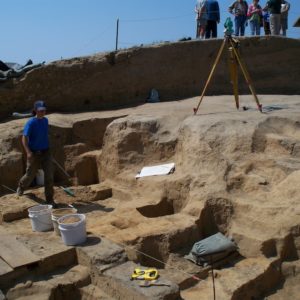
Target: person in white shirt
[[285, 6], [201, 18]]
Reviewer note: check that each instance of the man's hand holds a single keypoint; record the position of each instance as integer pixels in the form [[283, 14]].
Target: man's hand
[[25, 145], [29, 155]]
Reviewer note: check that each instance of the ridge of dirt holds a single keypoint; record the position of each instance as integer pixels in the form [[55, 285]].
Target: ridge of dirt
[[176, 70]]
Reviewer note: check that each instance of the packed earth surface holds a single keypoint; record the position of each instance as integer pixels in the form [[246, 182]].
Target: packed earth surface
[[236, 172]]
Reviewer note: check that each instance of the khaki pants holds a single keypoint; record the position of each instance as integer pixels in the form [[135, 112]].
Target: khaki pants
[[40, 160], [275, 24]]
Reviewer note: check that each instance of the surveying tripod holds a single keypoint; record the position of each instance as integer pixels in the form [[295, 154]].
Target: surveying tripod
[[234, 61]]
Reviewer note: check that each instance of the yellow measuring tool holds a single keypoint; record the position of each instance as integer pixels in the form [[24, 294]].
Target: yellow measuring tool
[[144, 274]]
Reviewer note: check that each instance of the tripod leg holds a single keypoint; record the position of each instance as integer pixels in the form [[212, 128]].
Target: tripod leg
[[233, 68], [210, 75], [246, 75]]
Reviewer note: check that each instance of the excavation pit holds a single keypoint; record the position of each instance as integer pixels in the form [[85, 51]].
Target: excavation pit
[[163, 208], [230, 177]]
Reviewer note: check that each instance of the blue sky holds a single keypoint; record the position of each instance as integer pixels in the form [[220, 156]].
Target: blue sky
[[47, 30]]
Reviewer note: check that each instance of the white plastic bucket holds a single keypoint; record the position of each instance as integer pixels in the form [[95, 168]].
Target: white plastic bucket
[[73, 229], [40, 217], [58, 213], [40, 177]]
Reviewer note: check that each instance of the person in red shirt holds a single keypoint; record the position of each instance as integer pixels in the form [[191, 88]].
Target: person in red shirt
[[255, 17]]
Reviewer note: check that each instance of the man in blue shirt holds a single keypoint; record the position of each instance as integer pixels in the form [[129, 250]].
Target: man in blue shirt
[[36, 144], [213, 18]]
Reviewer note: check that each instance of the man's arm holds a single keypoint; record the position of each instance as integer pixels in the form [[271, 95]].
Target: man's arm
[[25, 145], [246, 5], [218, 13], [286, 7], [250, 11], [230, 8], [266, 8]]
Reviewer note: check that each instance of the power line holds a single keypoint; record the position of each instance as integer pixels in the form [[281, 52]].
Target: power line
[[93, 39], [156, 19]]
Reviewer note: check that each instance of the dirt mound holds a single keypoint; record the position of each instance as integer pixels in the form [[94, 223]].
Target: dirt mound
[[176, 70]]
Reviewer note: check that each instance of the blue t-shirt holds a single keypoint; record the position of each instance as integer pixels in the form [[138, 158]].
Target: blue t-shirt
[[37, 132]]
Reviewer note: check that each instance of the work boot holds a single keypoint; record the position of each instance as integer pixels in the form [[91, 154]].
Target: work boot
[[20, 191]]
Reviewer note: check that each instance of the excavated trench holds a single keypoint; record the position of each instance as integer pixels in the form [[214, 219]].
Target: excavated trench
[[70, 276], [173, 200], [243, 176]]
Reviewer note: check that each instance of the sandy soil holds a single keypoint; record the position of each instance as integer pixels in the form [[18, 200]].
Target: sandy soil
[[237, 172]]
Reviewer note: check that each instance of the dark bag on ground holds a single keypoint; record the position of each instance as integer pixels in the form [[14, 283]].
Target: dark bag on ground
[[211, 249]]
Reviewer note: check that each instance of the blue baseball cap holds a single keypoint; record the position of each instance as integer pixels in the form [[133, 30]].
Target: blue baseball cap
[[39, 105]]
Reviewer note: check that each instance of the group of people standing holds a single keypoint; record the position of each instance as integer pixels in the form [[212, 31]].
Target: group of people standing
[[273, 17]]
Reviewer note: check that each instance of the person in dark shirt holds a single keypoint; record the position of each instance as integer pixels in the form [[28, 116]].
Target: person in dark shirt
[[213, 18], [36, 144], [239, 9], [274, 8]]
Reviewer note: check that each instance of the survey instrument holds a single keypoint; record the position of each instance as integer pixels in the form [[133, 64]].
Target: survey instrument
[[235, 61]]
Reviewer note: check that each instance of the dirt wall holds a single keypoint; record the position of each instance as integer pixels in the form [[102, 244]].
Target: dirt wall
[[176, 70]]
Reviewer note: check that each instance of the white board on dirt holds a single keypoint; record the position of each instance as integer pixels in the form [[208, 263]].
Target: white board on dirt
[[156, 170], [14, 253]]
